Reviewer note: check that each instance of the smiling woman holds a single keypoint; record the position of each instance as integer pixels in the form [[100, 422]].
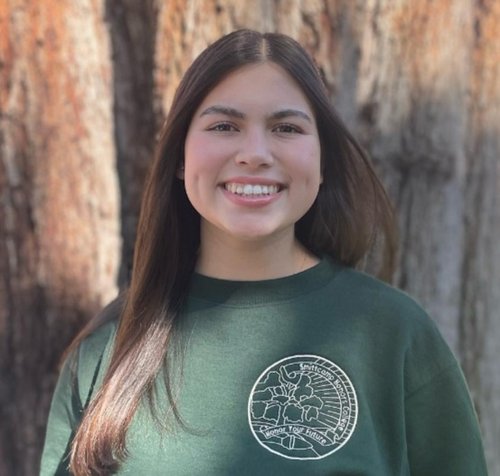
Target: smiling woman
[[247, 343], [252, 170]]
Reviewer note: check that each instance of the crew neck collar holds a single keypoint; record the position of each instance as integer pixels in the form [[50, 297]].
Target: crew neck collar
[[265, 291]]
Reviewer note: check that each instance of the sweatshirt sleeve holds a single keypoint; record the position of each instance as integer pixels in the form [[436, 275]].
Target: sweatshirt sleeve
[[81, 374], [443, 435], [65, 413]]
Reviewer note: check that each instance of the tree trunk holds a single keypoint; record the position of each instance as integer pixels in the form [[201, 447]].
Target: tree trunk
[[132, 26], [59, 243], [417, 82], [480, 299]]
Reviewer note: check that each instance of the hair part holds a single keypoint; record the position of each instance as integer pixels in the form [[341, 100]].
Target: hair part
[[351, 210]]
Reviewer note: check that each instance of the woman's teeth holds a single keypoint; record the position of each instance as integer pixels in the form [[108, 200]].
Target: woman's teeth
[[251, 190]]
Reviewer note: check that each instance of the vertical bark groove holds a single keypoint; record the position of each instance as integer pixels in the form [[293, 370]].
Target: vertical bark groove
[[59, 246]]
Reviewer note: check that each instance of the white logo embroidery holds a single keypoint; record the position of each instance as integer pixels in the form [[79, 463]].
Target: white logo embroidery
[[303, 407]]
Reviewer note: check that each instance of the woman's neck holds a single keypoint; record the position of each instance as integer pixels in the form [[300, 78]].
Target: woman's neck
[[233, 259]]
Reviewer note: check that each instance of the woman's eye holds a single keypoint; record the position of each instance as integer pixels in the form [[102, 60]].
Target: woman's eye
[[223, 127], [287, 129]]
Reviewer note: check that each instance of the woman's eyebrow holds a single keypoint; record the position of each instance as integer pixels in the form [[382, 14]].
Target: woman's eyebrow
[[224, 110], [284, 113], [232, 112]]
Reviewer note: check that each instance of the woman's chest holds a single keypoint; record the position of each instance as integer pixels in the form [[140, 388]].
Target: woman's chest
[[274, 399]]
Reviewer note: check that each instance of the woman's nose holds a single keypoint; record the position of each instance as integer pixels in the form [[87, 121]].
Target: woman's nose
[[255, 150]]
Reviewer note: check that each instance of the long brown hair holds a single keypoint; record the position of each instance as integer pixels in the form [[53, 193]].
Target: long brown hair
[[351, 210]]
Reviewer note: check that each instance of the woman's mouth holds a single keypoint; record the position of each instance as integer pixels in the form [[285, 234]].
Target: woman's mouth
[[252, 190]]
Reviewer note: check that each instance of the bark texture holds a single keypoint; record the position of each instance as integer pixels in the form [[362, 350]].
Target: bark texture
[[417, 82], [132, 27], [59, 245]]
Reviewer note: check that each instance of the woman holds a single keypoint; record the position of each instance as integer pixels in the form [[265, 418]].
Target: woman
[[246, 343]]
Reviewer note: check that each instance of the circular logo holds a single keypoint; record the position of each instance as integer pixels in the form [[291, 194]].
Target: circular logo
[[303, 407]]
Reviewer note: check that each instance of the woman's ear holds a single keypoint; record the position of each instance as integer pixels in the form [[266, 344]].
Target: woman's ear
[[180, 171]]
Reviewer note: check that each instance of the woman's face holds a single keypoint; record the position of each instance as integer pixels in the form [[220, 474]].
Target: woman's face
[[252, 155]]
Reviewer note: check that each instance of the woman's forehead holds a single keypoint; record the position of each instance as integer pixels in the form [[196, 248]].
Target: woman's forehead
[[263, 85]]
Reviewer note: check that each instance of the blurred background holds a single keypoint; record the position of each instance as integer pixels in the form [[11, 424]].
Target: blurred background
[[84, 88]]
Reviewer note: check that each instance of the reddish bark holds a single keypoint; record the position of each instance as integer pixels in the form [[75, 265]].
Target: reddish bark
[[58, 207]]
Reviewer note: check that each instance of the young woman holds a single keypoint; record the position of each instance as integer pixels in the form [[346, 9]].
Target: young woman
[[247, 343]]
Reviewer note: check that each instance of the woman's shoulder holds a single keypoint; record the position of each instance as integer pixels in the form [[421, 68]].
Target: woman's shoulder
[[402, 315], [396, 320], [380, 296], [90, 356], [387, 307], [101, 329], [94, 344]]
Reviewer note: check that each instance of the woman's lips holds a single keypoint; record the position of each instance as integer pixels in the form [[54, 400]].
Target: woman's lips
[[251, 190], [252, 194]]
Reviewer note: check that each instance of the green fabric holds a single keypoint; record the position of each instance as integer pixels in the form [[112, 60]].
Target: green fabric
[[346, 375]]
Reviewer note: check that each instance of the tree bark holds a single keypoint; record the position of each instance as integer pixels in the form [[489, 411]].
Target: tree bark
[[480, 299], [417, 83], [132, 27], [59, 243]]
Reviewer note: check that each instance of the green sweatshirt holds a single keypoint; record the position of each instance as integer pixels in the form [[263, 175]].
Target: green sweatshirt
[[326, 372]]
